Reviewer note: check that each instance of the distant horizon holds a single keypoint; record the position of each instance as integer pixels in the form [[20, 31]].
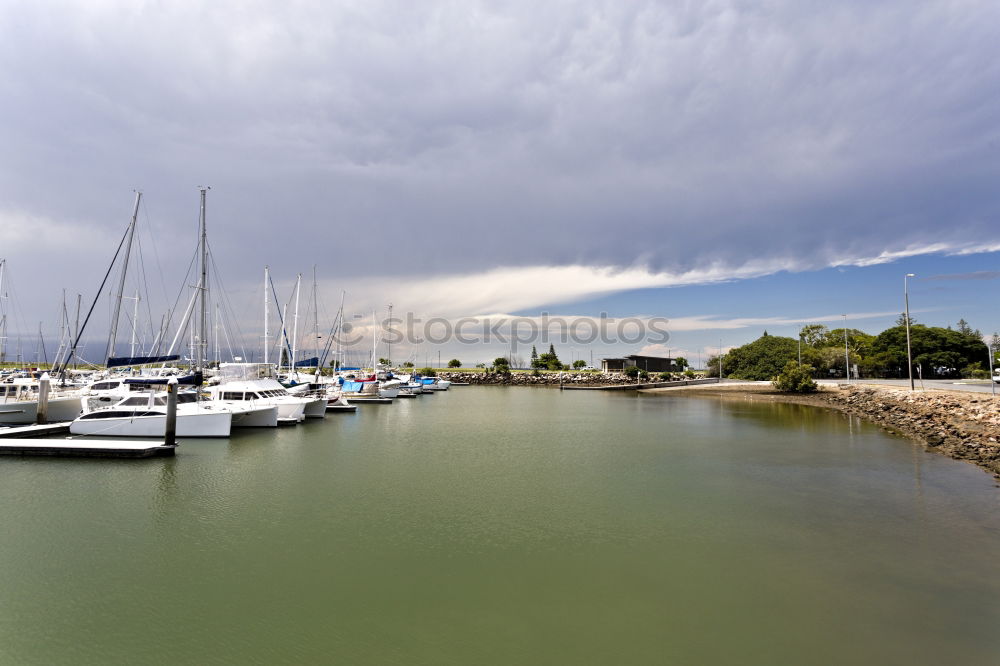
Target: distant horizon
[[724, 167]]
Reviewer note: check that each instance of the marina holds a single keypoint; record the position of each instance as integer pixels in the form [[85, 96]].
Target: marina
[[636, 526]]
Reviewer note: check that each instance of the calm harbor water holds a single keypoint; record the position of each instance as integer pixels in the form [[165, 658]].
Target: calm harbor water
[[495, 525]]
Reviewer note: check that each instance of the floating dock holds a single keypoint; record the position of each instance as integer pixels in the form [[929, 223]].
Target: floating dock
[[85, 448], [372, 401], [20, 432], [341, 408]]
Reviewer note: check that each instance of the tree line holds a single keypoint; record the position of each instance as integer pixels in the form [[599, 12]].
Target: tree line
[[938, 353]]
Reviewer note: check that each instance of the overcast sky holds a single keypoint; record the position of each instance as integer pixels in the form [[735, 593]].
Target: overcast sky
[[470, 158]]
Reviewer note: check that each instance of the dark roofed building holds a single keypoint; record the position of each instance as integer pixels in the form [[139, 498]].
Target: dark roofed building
[[648, 363]]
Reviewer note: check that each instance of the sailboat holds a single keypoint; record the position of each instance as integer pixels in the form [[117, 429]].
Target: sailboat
[[144, 415]]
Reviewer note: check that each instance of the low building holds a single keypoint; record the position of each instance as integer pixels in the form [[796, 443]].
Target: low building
[[647, 363]]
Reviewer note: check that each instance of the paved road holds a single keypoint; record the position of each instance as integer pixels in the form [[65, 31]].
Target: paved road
[[975, 386]]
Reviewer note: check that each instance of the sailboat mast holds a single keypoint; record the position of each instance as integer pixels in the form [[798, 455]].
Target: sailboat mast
[[316, 323], [217, 355], [388, 340], [203, 319], [76, 329], [340, 330], [135, 321], [295, 322], [265, 314], [3, 315], [121, 284]]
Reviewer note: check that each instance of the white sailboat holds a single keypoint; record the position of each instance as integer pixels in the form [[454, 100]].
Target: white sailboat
[[146, 416]]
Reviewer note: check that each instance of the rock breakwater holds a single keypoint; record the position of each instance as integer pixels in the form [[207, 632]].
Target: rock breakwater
[[547, 378], [965, 426]]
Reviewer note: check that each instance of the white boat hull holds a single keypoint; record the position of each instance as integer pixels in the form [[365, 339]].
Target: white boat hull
[[206, 424], [255, 417], [315, 409], [24, 412]]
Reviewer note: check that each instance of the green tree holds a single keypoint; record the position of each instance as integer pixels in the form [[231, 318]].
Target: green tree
[[534, 356], [813, 334], [548, 361], [761, 359], [940, 352], [501, 364], [795, 378], [579, 363], [681, 363], [384, 361], [408, 364], [427, 372], [454, 363]]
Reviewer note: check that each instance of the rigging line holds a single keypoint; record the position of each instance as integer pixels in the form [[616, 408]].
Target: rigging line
[[223, 294], [156, 253], [173, 311], [223, 297], [281, 321], [62, 371], [145, 286]]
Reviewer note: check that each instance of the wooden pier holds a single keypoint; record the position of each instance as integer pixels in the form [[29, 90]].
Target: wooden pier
[[85, 448]]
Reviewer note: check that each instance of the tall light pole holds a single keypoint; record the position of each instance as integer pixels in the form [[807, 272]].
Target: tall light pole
[[847, 358], [800, 344], [906, 313], [989, 353]]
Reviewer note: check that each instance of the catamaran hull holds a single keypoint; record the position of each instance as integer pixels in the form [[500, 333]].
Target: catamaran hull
[[209, 424], [23, 412], [257, 417], [316, 409]]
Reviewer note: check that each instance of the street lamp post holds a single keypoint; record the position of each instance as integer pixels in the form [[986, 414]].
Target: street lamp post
[[989, 353], [800, 345], [847, 358], [906, 302]]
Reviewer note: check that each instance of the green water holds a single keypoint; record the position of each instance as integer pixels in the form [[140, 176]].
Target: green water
[[509, 526]]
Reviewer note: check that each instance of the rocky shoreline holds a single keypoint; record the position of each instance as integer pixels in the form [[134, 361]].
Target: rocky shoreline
[[548, 378], [961, 425]]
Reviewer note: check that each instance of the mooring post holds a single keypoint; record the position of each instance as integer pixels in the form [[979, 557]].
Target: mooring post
[[43, 399], [170, 430]]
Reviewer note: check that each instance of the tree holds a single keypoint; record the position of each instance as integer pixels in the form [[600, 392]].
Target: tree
[[795, 378], [501, 364], [964, 328], [454, 363], [548, 361], [534, 356], [681, 362], [427, 372], [901, 320], [761, 359], [384, 361], [408, 364], [579, 363], [940, 352], [813, 334]]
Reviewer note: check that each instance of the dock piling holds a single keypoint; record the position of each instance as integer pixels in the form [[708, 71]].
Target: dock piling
[[41, 416], [170, 429]]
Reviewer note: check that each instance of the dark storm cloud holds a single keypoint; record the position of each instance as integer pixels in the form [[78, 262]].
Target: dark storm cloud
[[466, 136]]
